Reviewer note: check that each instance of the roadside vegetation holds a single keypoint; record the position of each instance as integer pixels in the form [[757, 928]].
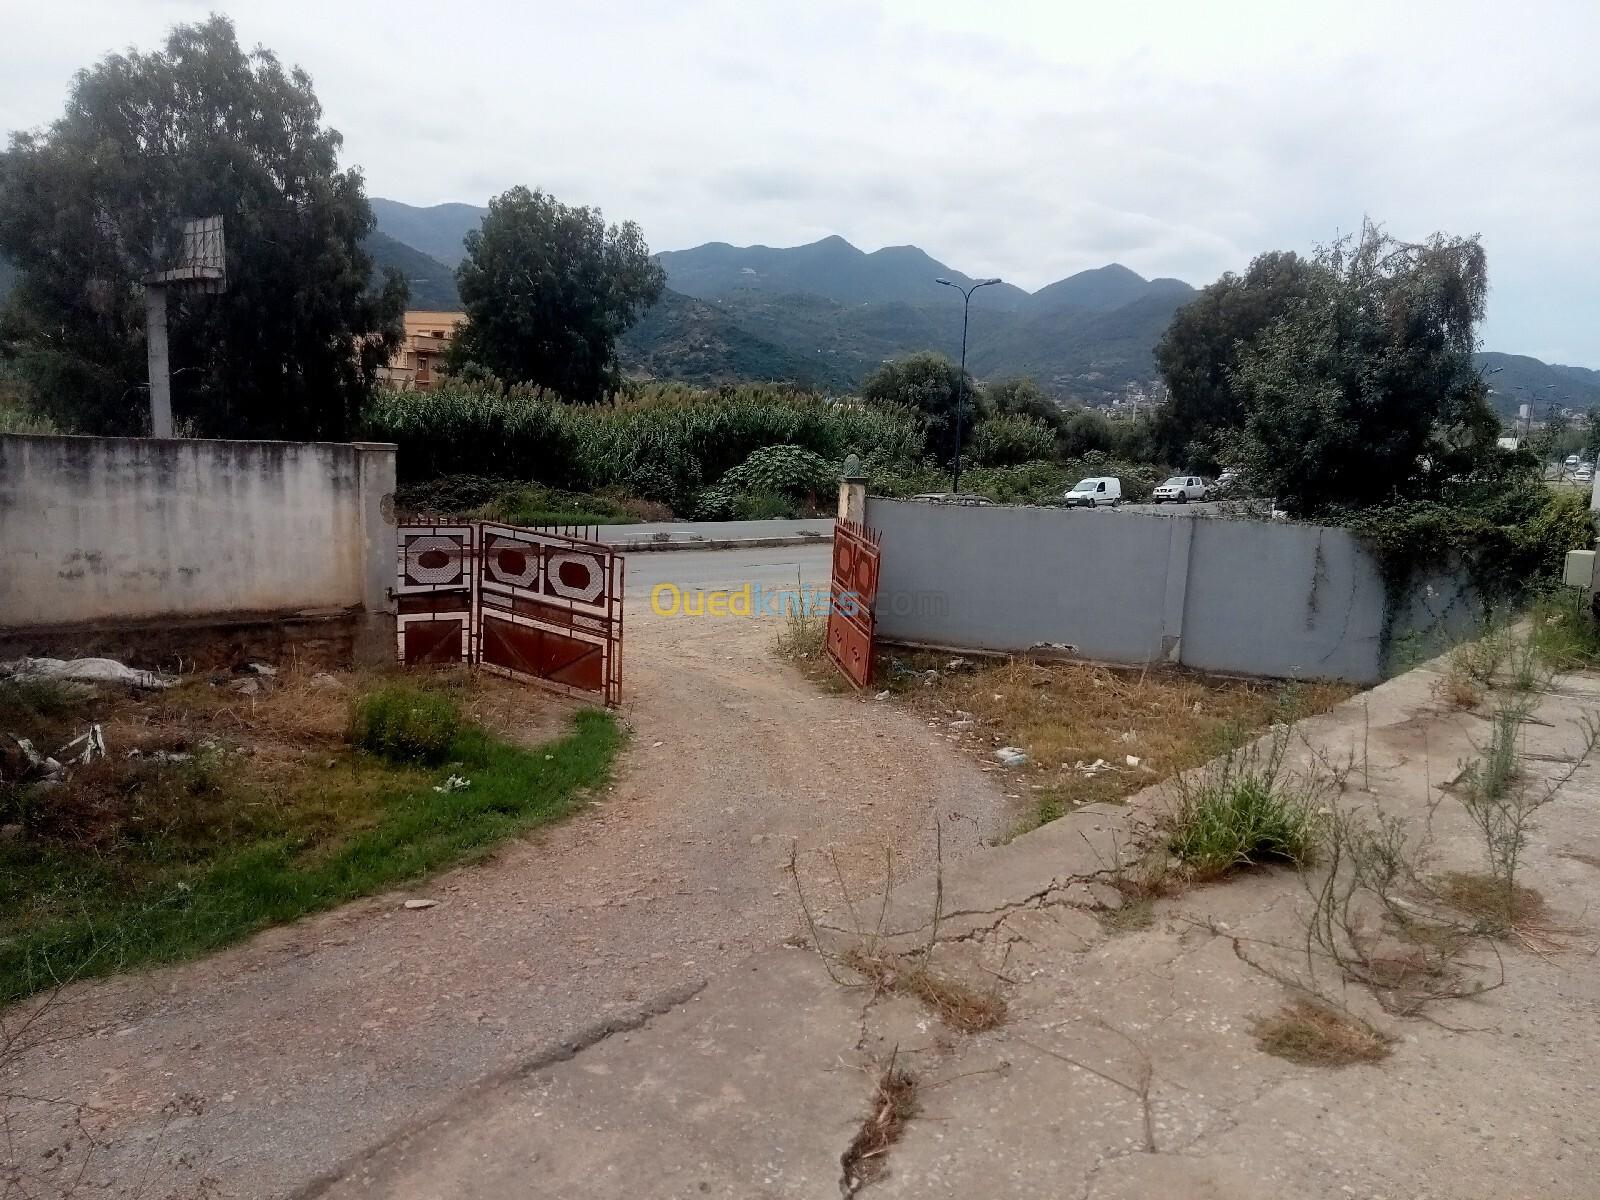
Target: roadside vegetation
[[218, 811], [1086, 732]]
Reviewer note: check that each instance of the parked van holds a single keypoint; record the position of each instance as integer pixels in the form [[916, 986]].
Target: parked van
[[1094, 492]]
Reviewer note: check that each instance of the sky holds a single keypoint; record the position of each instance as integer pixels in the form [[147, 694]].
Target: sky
[[1005, 137]]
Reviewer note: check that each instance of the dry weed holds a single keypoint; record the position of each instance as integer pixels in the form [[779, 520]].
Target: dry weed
[[1459, 691], [1069, 716], [1316, 1034], [957, 1004], [894, 1102], [1487, 900]]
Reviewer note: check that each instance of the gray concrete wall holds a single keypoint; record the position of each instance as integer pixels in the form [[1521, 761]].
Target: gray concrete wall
[[1251, 597], [1269, 598], [1011, 578], [106, 529]]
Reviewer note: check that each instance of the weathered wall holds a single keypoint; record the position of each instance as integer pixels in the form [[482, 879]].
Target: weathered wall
[[1252, 597], [108, 529]]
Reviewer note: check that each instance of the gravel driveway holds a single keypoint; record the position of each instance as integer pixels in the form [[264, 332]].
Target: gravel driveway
[[272, 1065]]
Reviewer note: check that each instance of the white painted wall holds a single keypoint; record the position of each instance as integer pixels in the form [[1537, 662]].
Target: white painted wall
[[101, 529]]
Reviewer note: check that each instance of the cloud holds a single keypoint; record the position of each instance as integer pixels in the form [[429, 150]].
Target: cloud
[[1029, 139]]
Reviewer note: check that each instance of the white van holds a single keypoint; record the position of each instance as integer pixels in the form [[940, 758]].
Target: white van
[[1095, 492]]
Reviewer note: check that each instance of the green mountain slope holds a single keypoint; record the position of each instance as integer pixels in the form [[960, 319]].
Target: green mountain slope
[[831, 268], [433, 285], [688, 339], [1515, 379], [436, 230]]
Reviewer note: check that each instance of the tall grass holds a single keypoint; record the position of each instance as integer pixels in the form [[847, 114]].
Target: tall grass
[[662, 443]]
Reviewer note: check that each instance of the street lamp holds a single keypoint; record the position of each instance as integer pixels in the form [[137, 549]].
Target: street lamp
[[966, 303]]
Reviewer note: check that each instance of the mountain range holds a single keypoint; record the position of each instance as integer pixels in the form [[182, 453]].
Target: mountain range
[[826, 314]]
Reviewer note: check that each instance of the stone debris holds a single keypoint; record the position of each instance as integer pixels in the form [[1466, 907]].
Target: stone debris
[[262, 669], [416, 904], [1011, 756], [332, 683]]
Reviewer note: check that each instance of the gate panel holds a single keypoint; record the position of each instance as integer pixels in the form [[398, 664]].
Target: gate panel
[[434, 593], [550, 609], [531, 604], [856, 555]]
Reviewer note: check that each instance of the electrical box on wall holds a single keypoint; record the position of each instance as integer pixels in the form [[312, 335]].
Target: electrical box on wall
[[1580, 569]]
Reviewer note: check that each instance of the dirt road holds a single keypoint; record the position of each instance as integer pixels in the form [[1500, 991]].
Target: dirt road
[[265, 1068]]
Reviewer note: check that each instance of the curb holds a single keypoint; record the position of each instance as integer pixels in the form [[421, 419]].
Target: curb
[[760, 543]]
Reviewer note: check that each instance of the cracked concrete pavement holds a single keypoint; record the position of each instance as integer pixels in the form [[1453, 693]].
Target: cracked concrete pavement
[[1126, 1068]]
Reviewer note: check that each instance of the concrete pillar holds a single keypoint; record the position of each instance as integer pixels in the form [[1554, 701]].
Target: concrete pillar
[[375, 475], [853, 492], [155, 332]]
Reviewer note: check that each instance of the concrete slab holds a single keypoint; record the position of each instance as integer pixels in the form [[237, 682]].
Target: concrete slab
[[1127, 1066]]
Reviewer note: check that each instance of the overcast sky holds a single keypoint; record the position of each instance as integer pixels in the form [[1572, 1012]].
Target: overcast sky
[[1027, 140]]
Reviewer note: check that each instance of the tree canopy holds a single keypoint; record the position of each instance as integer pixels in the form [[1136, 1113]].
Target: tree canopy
[[87, 206], [548, 289], [930, 385], [1365, 391], [1199, 353]]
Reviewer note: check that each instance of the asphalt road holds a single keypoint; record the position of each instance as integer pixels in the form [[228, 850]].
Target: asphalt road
[[710, 570]]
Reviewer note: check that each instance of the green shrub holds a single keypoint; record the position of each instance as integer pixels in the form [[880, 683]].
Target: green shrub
[[663, 443], [1007, 440], [406, 725], [764, 506], [785, 470]]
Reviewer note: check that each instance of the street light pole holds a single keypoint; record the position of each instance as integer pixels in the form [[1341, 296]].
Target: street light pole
[[961, 396]]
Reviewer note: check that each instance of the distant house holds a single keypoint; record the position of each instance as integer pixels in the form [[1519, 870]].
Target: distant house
[[417, 364]]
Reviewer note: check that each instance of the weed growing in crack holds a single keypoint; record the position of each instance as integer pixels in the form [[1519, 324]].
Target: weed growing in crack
[[1245, 811], [908, 973], [1371, 919], [894, 1103], [1315, 1034], [1497, 795], [959, 1005]]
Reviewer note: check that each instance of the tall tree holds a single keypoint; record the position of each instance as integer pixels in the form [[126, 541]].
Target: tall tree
[[548, 289], [1200, 351], [88, 205], [1365, 390], [930, 385]]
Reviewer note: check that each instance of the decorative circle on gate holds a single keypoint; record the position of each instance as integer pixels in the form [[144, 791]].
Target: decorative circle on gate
[[433, 559], [574, 576], [511, 563]]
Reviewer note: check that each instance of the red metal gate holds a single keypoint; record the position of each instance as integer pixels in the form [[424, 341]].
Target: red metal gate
[[856, 554], [535, 604]]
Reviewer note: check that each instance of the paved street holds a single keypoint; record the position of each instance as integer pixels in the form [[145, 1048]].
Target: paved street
[[714, 531], [707, 570]]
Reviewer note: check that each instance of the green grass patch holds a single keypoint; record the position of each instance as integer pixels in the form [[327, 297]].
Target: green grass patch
[[1565, 633], [161, 862], [406, 724], [1244, 811]]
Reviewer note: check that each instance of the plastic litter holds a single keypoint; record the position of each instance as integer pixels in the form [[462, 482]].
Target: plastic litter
[[84, 670]]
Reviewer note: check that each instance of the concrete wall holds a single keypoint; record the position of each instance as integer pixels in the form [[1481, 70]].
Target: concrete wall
[[96, 530], [1252, 597]]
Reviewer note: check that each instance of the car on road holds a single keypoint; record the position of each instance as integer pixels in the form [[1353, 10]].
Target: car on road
[[1181, 489], [1098, 491], [1584, 473], [1573, 462]]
